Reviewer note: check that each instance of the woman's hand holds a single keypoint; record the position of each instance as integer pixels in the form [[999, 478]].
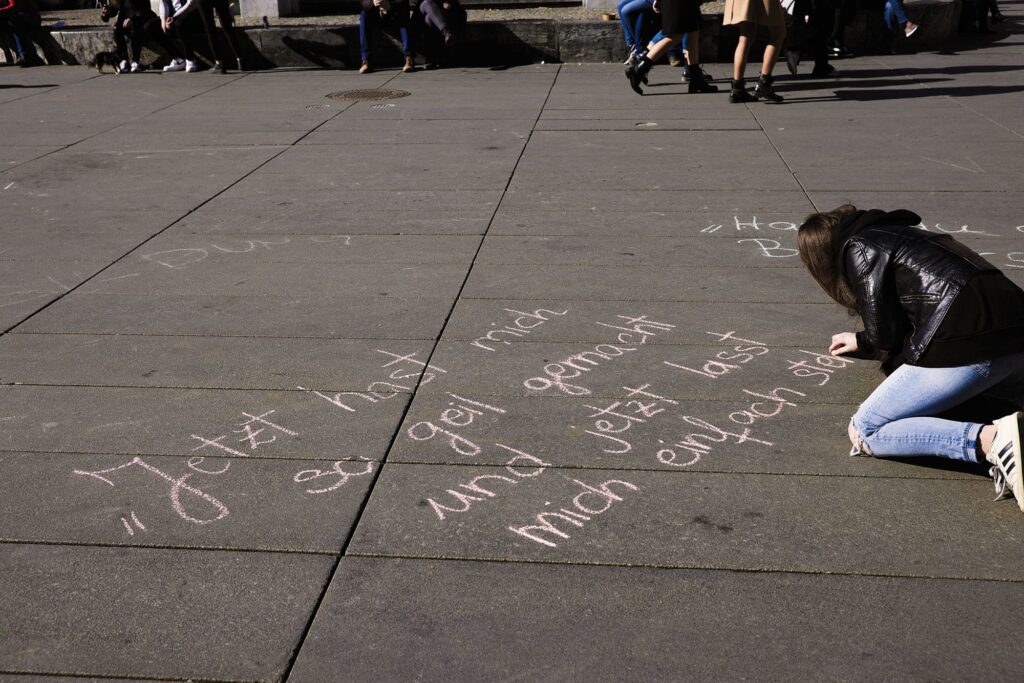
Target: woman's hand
[[844, 342]]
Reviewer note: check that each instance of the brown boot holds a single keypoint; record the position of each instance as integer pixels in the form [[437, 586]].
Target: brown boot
[[409, 67]]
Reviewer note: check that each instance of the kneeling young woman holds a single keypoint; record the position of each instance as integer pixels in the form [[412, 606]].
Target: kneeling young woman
[[947, 325]]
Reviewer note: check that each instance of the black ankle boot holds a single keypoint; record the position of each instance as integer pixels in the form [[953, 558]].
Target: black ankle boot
[[698, 82], [637, 74], [764, 90], [739, 93]]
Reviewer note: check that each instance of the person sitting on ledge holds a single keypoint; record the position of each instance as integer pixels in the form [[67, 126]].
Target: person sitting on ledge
[[948, 327], [20, 20], [376, 13], [442, 20]]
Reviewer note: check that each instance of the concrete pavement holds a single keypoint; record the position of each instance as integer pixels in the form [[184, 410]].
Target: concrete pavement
[[514, 378]]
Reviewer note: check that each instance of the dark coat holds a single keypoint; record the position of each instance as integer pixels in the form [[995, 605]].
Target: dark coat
[[905, 280]]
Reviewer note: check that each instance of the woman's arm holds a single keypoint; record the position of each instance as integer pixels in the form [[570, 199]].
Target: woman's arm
[[876, 298]]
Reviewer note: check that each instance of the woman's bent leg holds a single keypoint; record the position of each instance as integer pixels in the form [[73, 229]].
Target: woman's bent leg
[[896, 419]]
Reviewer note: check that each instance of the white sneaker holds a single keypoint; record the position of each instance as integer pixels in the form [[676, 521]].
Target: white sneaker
[[175, 65], [1007, 469], [136, 67], [123, 67], [910, 29], [190, 66]]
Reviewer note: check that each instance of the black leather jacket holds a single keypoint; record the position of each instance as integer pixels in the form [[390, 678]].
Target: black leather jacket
[[905, 280]]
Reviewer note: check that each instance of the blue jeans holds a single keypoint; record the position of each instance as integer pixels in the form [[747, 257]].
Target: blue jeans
[[632, 14], [370, 21], [680, 47], [896, 419], [895, 14]]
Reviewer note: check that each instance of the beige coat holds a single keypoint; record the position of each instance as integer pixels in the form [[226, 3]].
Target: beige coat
[[764, 12]]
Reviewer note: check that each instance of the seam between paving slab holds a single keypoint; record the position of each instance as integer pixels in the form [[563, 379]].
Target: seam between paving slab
[[107, 130], [430, 355], [119, 677], [694, 567]]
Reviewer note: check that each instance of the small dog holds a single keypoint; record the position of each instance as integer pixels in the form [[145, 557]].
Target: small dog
[[103, 59]]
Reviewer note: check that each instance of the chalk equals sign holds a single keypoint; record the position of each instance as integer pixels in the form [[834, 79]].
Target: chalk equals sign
[[135, 522]]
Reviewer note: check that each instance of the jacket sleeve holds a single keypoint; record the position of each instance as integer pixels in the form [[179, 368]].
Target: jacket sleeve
[[188, 8], [867, 270]]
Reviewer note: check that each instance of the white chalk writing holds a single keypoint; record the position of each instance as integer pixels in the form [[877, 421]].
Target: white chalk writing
[[587, 504], [522, 324]]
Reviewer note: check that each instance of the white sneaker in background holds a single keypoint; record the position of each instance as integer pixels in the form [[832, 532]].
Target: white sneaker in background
[[175, 65], [190, 66]]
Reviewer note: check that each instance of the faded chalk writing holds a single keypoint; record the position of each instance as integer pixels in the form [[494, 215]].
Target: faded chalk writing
[[177, 259]]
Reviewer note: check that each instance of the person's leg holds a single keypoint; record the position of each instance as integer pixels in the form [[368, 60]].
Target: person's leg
[[433, 16], [120, 42], [402, 20], [899, 14], [743, 43], [765, 89], [205, 13], [185, 31], [738, 93], [222, 9], [896, 419], [845, 13], [636, 74], [627, 10], [153, 30], [367, 25], [137, 35], [772, 50]]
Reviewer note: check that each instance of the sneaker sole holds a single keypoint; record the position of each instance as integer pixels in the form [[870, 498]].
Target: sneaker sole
[[1010, 456]]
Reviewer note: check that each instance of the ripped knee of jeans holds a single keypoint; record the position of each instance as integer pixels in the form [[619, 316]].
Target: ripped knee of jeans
[[859, 446]]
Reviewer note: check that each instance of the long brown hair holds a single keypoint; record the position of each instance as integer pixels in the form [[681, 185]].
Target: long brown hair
[[820, 240]]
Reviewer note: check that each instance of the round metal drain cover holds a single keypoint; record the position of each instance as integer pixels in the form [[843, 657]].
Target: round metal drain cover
[[368, 94]]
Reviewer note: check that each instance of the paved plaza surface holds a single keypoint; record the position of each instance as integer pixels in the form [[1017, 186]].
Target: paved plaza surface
[[515, 378]]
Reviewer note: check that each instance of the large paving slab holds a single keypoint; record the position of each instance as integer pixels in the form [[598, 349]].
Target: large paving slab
[[527, 511], [550, 623], [67, 611]]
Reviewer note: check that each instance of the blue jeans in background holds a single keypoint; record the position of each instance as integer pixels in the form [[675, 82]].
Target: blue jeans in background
[[370, 21], [895, 420], [634, 14], [895, 14]]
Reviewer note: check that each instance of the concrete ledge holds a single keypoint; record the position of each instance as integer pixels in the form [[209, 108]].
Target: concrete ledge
[[497, 43]]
